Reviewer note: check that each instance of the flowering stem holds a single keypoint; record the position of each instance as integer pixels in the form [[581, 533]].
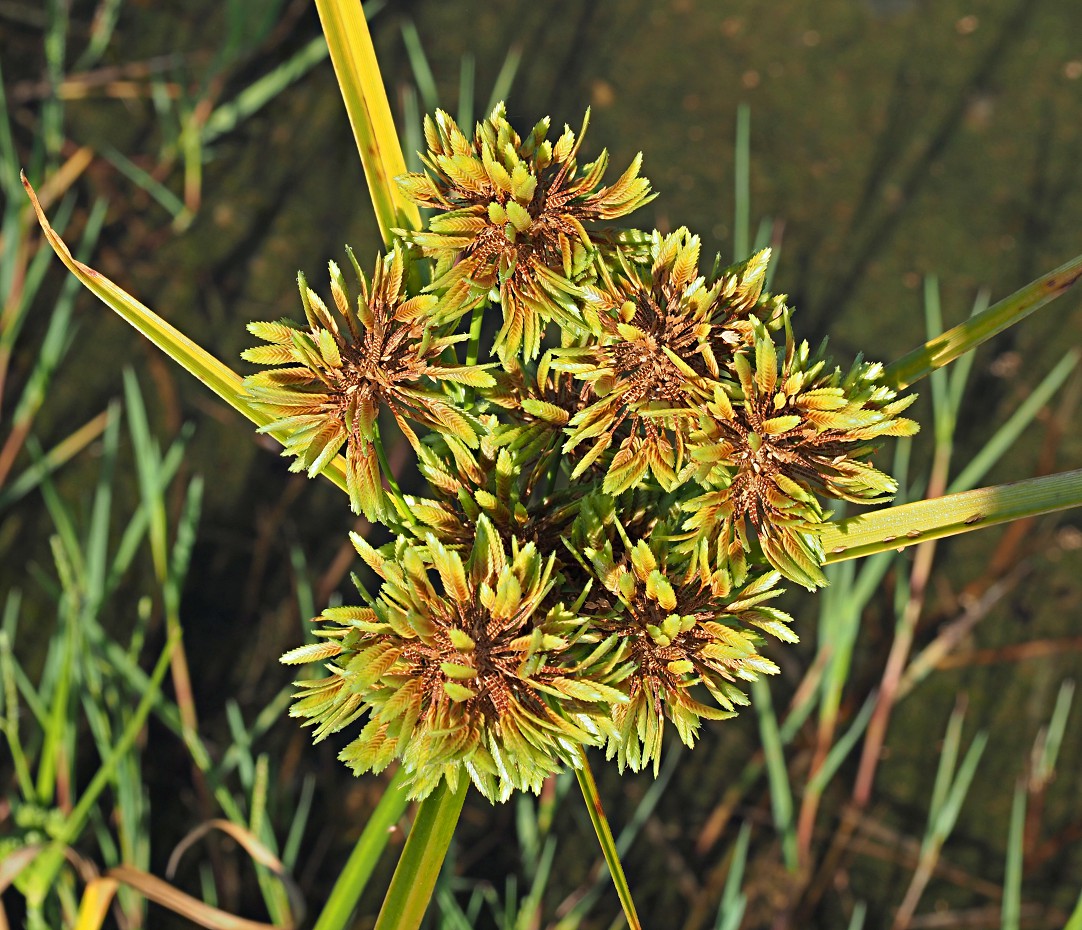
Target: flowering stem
[[338, 910], [422, 857], [608, 845]]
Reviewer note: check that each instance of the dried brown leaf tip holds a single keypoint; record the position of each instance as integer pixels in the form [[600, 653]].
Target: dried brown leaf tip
[[333, 378], [664, 334], [784, 431], [513, 218], [460, 669]]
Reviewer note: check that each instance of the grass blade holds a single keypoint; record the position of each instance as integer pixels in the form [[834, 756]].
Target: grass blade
[[422, 70], [53, 857], [192, 357], [263, 90], [742, 183], [781, 792], [954, 343], [733, 900], [1012, 879]]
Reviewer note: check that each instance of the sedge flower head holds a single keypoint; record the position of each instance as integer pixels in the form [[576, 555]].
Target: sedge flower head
[[512, 217], [785, 431], [460, 675], [332, 379], [663, 335], [680, 636]]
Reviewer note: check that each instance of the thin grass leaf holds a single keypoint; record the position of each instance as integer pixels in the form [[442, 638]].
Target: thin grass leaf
[[1052, 738], [49, 462], [529, 911], [501, 87], [145, 181], [942, 411], [733, 900], [742, 183], [422, 70], [262, 91], [959, 373], [53, 857], [978, 329], [192, 357], [467, 75], [302, 810], [9, 711], [860, 911], [9, 160], [1012, 879], [1007, 435], [838, 752], [781, 792]]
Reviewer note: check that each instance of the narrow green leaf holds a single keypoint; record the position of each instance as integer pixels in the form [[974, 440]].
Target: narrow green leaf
[[369, 111], [908, 524], [1012, 879], [983, 326], [781, 793], [192, 357]]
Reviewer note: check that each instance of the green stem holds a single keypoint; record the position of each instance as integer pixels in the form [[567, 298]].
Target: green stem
[[983, 326], [338, 911], [908, 524], [608, 845], [422, 857], [473, 348]]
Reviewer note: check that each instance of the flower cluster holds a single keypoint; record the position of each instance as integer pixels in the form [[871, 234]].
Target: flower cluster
[[609, 491]]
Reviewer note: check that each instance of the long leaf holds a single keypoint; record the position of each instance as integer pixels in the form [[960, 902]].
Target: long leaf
[[983, 326], [191, 356], [357, 70], [338, 911], [908, 524]]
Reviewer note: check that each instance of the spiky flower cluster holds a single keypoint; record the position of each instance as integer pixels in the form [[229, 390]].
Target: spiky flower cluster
[[607, 493]]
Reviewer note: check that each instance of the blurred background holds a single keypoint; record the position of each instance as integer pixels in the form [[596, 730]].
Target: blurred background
[[899, 150]]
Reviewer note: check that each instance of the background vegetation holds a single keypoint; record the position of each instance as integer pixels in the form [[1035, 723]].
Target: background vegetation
[[890, 141]]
